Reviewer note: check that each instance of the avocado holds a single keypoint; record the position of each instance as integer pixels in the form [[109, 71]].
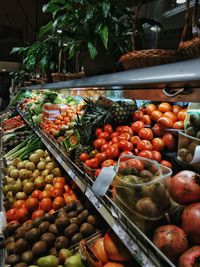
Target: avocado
[[48, 261], [195, 120]]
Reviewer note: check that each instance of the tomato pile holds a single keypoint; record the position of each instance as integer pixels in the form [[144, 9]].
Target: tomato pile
[[13, 123]]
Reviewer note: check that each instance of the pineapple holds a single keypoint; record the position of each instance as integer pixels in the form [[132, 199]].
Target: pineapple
[[122, 111]]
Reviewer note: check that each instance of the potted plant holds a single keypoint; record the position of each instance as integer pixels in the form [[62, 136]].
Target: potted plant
[[99, 30]]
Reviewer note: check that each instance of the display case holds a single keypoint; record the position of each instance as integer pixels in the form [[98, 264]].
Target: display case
[[176, 82]]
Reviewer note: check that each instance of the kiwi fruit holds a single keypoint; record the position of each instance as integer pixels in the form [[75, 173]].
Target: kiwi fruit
[[53, 251], [13, 259], [182, 153], [72, 214], [49, 239], [9, 240], [10, 248], [44, 227], [92, 220], [145, 174], [76, 238], [53, 229], [79, 208], [49, 217], [27, 256], [87, 229], [62, 223], [191, 131], [61, 242], [20, 232], [71, 230], [21, 264], [20, 245], [70, 206], [39, 249], [32, 235]]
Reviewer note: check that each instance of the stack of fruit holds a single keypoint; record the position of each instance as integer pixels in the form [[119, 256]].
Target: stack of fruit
[[173, 240], [48, 235], [35, 186], [13, 123]]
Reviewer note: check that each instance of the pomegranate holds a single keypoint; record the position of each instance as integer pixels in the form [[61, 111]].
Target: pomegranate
[[184, 187], [171, 240], [191, 258], [191, 222]]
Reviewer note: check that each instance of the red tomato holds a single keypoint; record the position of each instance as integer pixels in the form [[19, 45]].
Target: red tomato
[[104, 147], [138, 114], [101, 157], [97, 172], [105, 136], [115, 139], [67, 188], [99, 142], [37, 214], [10, 214], [125, 136], [19, 204], [165, 122], [36, 194], [112, 152], [125, 145], [178, 125], [166, 163], [45, 193], [21, 215], [46, 204], [84, 156], [135, 140], [158, 144], [135, 163], [146, 133], [169, 141], [59, 180], [170, 115], [108, 162], [157, 131], [108, 128], [114, 134], [126, 129], [98, 132], [145, 154], [57, 193], [146, 119], [144, 145], [150, 108], [136, 151], [126, 155], [58, 185], [32, 204], [58, 203], [182, 114], [115, 145], [164, 107], [118, 129], [136, 126], [92, 163], [156, 115], [156, 155], [176, 109]]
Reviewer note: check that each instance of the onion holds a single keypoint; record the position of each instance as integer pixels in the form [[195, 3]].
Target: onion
[[41, 166], [35, 158], [99, 250]]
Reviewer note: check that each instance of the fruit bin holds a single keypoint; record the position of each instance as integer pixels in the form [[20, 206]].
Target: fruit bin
[[140, 189], [187, 146]]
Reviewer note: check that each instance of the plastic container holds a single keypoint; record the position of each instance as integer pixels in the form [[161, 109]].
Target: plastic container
[[189, 150], [140, 190]]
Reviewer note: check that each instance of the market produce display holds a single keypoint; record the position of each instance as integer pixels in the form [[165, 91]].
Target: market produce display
[[13, 123]]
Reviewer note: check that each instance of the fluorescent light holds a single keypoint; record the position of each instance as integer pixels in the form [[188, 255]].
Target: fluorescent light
[[180, 1], [3, 70], [155, 28], [59, 31], [64, 44]]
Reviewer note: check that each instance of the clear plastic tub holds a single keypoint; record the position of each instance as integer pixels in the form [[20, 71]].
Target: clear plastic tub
[[143, 194], [189, 150]]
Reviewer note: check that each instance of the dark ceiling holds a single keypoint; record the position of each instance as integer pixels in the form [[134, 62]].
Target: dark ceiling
[[20, 21]]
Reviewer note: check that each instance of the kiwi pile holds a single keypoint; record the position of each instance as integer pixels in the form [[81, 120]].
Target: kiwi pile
[[193, 125], [27, 242]]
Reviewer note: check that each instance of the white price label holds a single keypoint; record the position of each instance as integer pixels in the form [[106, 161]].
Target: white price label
[[60, 160], [93, 199], [48, 146]]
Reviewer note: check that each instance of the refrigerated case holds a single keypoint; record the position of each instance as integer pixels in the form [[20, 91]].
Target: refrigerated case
[[177, 82]]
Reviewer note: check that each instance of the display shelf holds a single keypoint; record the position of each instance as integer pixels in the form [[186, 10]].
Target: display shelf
[[135, 241]]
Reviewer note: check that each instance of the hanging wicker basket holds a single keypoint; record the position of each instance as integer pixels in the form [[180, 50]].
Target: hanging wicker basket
[[146, 58], [190, 49]]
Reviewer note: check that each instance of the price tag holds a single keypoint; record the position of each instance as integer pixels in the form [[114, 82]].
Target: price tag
[[93, 199], [59, 159], [48, 146]]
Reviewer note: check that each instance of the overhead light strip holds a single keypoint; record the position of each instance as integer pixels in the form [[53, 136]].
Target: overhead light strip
[[177, 10]]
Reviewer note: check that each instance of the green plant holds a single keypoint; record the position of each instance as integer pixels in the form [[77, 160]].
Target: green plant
[[91, 23]]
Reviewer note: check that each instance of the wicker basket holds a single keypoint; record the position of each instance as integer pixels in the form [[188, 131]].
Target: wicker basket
[[191, 48], [146, 58]]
